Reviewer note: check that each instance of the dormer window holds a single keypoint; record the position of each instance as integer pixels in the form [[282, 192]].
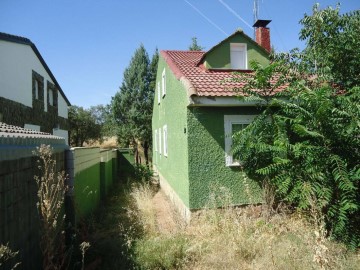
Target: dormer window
[[238, 55]]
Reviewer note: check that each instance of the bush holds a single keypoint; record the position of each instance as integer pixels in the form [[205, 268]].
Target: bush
[[143, 173]]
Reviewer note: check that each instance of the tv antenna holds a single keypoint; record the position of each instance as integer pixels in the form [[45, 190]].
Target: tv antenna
[[256, 13]]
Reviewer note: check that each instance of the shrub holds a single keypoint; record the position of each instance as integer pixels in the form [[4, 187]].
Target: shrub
[[143, 173]]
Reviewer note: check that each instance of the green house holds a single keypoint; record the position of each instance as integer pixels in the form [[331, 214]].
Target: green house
[[193, 115]]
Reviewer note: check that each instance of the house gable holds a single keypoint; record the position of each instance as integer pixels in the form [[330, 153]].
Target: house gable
[[19, 44], [219, 57], [30, 95]]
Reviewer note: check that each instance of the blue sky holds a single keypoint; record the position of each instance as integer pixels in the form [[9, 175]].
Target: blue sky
[[88, 43]]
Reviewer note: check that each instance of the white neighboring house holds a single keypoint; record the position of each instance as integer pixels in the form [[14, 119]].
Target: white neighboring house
[[30, 96]]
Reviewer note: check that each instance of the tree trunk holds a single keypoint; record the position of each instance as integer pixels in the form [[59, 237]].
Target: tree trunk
[[136, 153], [146, 152]]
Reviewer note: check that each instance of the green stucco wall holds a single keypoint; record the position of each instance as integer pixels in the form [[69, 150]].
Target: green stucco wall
[[206, 142], [172, 112], [219, 57], [87, 191]]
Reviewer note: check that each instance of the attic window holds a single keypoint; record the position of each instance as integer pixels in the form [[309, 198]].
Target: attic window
[[238, 55]]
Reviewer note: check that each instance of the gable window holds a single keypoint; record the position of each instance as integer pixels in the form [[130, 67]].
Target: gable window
[[159, 141], [158, 92], [51, 94], [233, 124], [37, 89], [238, 55], [163, 83], [165, 140]]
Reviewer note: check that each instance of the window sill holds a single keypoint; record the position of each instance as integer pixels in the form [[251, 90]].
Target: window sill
[[233, 165]]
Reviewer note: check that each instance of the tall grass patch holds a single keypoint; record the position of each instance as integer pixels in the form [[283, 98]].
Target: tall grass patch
[[237, 238]]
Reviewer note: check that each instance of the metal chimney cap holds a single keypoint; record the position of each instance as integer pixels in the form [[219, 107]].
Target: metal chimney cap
[[261, 23]]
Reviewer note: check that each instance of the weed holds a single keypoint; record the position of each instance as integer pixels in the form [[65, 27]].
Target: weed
[[7, 255], [143, 173], [51, 194]]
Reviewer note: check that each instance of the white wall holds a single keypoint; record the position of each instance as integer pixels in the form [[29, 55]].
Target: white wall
[[16, 64], [62, 133], [62, 106]]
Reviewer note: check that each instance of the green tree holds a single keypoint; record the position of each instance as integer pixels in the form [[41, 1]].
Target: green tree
[[132, 105], [194, 45], [333, 44], [306, 143], [103, 117], [83, 126]]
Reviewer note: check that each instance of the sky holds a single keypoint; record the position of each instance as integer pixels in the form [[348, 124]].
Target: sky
[[87, 44]]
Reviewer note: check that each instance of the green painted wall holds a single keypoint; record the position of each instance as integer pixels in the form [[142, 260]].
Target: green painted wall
[[207, 167], [108, 176], [87, 190], [125, 163], [174, 167], [219, 57]]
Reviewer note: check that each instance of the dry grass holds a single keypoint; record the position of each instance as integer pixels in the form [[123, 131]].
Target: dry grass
[[106, 142], [242, 238]]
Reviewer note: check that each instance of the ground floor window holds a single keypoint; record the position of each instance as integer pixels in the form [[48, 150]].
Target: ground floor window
[[165, 140], [232, 124]]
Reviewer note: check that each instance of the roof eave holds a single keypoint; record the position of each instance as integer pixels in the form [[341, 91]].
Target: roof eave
[[190, 89]]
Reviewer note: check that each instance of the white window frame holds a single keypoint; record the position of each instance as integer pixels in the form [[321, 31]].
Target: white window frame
[[36, 89], [229, 120], [238, 55], [156, 140], [163, 83], [165, 139], [158, 92], [159, 141]]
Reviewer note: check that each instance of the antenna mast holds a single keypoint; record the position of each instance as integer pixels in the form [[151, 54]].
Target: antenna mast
[[256, 13]]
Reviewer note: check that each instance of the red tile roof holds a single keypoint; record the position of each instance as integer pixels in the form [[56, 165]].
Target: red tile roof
[[211, 82]]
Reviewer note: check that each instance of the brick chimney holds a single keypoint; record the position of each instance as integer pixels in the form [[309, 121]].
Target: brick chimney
[[262, 34]]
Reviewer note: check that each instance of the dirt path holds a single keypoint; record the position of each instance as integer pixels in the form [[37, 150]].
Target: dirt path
[[166, 216]]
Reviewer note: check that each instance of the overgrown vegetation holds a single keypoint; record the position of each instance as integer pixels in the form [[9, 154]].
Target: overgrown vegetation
[[51, 194], [306, 141], [7, 256], [229, 238]]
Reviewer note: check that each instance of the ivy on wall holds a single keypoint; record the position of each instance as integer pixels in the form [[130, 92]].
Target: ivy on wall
[[17, 114]]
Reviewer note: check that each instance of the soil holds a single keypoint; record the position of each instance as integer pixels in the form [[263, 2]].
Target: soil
[[167, 218]]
